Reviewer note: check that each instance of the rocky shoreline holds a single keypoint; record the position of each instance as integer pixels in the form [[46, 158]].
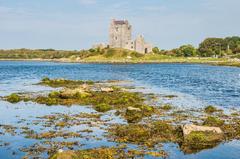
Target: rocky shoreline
[[144, 122]]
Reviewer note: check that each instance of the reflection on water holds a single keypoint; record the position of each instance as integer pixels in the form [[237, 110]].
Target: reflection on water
[[194, 85]]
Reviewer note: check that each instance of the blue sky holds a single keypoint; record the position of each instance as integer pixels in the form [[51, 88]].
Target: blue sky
[[77, 24]]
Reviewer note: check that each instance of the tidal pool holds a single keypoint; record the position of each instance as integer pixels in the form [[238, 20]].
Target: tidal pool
[[194, 85]]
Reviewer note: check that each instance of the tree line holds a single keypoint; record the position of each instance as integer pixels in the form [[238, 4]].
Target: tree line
[[210, 47]]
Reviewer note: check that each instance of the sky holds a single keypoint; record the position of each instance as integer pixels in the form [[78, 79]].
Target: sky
[[78, 24]]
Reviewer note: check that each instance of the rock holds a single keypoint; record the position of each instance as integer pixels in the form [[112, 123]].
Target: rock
[[188, 128], [133, 109], [71, 92], [129, 57], [133, 114], [106, 89], [60, 151]]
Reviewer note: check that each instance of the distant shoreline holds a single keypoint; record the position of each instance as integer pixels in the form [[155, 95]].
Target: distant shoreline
[[219, 62]]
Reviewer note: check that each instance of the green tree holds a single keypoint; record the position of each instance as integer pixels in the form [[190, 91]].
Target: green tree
[[156, 50], [186, 51], [211, 47]]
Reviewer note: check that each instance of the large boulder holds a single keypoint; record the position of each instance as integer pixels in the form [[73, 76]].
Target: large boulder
[[188, 128], [197, 138]]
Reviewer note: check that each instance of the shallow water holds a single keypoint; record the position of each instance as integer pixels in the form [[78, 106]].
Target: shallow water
[[195, 86]]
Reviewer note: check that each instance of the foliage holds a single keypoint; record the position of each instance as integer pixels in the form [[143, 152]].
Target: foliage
[[186, 51], [156, 50], [219, 46]]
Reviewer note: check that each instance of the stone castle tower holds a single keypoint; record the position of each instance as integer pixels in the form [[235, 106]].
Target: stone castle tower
[[120, 36], [120, 33]]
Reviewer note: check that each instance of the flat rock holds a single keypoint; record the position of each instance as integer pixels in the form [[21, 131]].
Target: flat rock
[[133, 109], [188, 128], [106, 89]]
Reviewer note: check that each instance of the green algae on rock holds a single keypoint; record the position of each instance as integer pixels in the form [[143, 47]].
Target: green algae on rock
[[146, 134], [100, 96], [210, 109], [106, 153], [213, 121], [13, 98], [63, 82], [198, 140]]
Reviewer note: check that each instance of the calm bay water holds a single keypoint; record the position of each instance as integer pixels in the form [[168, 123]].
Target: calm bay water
[[195, 86]]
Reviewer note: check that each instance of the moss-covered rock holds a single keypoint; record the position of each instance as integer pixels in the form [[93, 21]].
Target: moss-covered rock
[[146, 134], [63, 82], [102, 107], [198, 140], [133, 115], [105, 153], [13, 98], [210, 109]]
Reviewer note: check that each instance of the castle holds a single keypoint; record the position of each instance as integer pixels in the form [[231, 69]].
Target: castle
[[120, 36]]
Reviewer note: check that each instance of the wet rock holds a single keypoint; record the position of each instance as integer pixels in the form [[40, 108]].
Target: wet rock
[[132, 109], [187, 129], [106, 89], [133, 114]]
